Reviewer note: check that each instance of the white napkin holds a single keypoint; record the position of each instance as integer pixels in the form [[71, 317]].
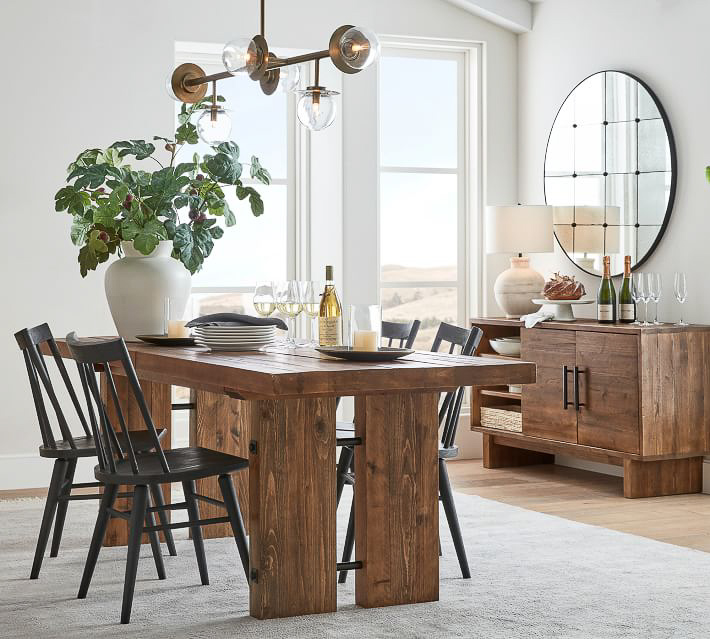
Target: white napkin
[[537, 317]]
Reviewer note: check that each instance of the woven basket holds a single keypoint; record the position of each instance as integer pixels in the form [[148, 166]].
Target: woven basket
[[506, 417]]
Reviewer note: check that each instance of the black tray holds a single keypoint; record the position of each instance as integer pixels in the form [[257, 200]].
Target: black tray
[[164, 340], [384, 354]]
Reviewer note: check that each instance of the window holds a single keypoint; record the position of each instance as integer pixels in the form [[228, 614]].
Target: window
[[256, 248], [423, 186]]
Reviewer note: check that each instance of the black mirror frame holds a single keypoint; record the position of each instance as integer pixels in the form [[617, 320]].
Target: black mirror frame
[[674, 167]]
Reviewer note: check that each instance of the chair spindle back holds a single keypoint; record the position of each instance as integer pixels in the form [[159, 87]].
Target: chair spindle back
[[90, 354], [30, 341]]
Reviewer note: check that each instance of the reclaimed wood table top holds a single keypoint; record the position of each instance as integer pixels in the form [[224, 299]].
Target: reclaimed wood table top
[[287, 372]]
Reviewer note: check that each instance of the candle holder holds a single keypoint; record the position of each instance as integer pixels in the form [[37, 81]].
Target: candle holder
[[365, 327]]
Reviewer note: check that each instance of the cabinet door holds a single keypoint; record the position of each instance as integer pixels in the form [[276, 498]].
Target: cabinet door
[[543, 411], [608, 382]]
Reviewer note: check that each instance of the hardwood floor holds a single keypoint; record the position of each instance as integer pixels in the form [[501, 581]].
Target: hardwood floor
[[590, 498], [579, 495]]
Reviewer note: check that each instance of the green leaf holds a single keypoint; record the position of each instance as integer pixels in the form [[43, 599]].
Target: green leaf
[[140, 148], [87, 260], [79, 230], [92, 176], [224, 166], [707, 173], [95, 244], [186, 134], [216, 232], [110, 156], [105, 216], [185, 167], [258, 172], [257, 204], [130, 229], [72, 200], [84, 159], [185, 247], [145, 243]]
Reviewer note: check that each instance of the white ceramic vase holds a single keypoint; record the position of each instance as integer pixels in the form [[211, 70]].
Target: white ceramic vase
[[137, 285], [516, 287]]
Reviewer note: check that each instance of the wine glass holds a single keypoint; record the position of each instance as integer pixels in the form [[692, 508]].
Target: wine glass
[[638, 292], [312, 292], [264, 300], [655, 286], [681, 294], [289, 303]]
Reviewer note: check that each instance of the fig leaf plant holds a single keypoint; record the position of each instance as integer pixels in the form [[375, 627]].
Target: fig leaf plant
[[110, 201]]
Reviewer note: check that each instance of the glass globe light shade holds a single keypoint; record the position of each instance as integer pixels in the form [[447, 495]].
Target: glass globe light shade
[[241, 55], [290, 78], [214, 129], [316, 108], [169, 88], [359, 48]]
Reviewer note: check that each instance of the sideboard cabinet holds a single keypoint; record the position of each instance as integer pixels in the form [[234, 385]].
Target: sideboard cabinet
[[620, 394]]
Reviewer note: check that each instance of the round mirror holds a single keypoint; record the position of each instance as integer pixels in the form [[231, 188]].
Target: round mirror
[[610, 172]]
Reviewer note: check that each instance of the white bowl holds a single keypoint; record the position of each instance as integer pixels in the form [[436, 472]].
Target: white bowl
[[506, 347]]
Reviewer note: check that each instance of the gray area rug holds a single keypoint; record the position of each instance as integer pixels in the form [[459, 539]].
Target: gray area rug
[[534, 575]]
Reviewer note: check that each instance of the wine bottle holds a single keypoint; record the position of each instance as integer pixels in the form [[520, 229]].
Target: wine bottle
[[606, 297], [627, 308], [330, 313]]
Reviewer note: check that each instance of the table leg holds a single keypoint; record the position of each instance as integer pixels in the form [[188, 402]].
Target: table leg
[[221, 423], [158, 399], [397, 499], [292, 507]]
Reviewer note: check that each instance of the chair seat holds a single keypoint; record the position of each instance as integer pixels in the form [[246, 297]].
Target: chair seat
[[86, 447], [448, 452], [185, 464]]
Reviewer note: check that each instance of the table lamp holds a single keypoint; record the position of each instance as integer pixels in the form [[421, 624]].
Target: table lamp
[[519, 229]]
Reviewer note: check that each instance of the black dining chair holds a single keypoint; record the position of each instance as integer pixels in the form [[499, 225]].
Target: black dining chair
[[452, 336], [123, 466], [65, 447]]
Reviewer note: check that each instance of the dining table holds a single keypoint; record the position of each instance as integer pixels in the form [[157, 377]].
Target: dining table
[[277, 407]]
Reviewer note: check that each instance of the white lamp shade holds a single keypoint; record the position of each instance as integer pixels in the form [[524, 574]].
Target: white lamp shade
[[519, 229]]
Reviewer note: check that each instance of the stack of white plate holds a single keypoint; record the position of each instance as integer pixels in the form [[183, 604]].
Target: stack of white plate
[[235, 338]]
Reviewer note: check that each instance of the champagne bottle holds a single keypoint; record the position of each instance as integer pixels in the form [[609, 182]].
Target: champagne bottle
[[627, 308], [330, 313], [606, 297]]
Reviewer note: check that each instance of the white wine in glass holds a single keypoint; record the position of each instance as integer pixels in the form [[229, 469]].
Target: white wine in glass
[[264, 300], [289, 303], [312, 293]]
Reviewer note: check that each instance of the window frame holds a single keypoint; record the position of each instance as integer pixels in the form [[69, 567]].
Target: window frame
[[469, 261]]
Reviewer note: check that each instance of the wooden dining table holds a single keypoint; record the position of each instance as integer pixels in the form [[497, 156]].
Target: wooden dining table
[[278, 409]]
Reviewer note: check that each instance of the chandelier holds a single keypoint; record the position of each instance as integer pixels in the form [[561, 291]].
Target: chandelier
[[351, 49]]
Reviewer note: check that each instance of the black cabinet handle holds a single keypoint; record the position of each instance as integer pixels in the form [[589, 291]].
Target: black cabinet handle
[[576, 375], [565, 396]]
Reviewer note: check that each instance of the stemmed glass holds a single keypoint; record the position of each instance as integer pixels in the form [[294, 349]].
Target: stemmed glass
[[264, 300], [638, 293], [654, 291], [312, 292], [681, 294], [289, 303]]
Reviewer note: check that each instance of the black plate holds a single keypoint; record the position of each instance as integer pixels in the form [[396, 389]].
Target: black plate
[[164, 340], [384, 354]]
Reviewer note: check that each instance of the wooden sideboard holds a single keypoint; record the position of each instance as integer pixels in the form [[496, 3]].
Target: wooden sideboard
[[636, 397]]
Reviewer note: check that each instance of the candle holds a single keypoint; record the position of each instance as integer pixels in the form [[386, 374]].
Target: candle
[[177, 328], [365, 340]]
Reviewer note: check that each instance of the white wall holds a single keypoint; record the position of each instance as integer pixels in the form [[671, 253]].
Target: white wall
[[663, 42], [86, 73]]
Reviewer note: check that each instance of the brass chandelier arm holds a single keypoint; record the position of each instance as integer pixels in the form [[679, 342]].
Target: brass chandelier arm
[[298, 59], [205, 79]]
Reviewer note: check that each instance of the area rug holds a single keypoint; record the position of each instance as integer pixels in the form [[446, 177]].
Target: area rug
[[534, 575]]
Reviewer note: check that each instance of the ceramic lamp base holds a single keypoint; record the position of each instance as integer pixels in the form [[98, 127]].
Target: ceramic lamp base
[[516, 287]]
